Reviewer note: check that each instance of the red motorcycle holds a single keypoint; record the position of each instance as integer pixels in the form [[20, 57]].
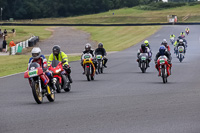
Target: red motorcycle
[[187, 32], [56, 68], [163, 68], [39, 83]]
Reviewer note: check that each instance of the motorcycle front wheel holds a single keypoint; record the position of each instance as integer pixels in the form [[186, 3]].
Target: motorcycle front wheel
[[164, 75], [50, 95], [36, 92], [87, 71]]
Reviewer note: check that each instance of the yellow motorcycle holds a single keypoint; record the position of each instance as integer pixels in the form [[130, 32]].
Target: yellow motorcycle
[[88, 66]]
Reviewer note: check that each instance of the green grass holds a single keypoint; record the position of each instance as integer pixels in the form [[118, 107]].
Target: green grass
[[126, 15], [120, 38], [18, 63], [25, 32]]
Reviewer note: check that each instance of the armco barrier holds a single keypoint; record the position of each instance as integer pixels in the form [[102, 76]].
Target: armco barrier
[[28, 43]]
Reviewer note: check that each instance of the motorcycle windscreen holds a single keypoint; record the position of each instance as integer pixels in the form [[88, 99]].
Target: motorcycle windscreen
[[55, 63], [34, 65]]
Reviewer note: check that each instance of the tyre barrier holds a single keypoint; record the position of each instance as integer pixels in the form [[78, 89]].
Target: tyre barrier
[[28, 43]]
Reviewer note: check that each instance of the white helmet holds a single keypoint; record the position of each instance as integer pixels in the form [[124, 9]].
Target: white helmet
[[181, 41], [36, 51]]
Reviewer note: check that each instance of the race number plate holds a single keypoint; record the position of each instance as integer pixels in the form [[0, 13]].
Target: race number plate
[[33, 73], [143, 58], [162, 61], [99, 57], [86, 56]]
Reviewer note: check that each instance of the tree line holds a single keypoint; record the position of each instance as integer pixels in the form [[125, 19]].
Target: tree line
[[32, 9]]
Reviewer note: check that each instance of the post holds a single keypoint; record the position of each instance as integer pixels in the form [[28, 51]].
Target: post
[[1, 15]]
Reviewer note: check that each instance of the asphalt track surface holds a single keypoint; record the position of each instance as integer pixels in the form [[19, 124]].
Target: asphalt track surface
[[122, 100]]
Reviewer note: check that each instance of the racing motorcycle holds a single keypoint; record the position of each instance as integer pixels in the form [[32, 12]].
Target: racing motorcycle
[[181, 53], [172, 40], [37, 80], [100, 62], [164, 68], [143, 60], [88, 65], [187, 32], [57, 70]]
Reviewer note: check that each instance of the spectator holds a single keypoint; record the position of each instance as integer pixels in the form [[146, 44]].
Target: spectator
[[13, 30], [4, 45], [5, 32], [11, 44]]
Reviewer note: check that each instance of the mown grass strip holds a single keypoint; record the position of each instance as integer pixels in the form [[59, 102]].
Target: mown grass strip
[[120, 38]]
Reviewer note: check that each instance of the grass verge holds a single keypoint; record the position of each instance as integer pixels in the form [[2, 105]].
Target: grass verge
[[119, 38], [18, 63]]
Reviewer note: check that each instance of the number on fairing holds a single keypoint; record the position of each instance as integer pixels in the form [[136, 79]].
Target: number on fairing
[[162, 61], [99, 57], [143, 57], [86, 56], [32, 73], [180, 50]]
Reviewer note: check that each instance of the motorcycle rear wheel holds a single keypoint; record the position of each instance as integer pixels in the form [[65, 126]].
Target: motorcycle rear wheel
[[36, 92]]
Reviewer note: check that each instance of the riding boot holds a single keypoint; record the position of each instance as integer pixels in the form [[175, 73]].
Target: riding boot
[[105, 61], [65, 81], [70, 78]]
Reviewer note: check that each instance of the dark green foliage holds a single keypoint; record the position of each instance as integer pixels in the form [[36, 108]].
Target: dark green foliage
[[31, 9]]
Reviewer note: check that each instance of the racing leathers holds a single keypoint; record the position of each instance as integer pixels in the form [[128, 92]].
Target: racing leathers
[[42, 61], [147, 50], [94, 60], [102, 51], [168, 55]]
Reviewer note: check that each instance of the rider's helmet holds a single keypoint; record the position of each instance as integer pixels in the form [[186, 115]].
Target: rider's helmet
[[36, 51], [87, 47], [181, 41], [146, 42], [143, 47], [164, 42], [100, 45], [56, 50], [162, 50]]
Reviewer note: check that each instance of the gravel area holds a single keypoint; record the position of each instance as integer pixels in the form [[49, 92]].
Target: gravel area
[[71, 40]]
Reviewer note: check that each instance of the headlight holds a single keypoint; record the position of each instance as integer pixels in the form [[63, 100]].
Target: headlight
[[57, 71]]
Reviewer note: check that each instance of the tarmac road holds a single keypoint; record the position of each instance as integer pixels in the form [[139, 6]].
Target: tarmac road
[[122, 100]]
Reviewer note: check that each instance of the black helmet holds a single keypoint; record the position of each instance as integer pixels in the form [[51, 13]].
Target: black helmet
[[100, 45], [143, 47], [56, 50]]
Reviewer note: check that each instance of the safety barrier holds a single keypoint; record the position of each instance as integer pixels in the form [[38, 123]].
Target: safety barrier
[[28, 43]]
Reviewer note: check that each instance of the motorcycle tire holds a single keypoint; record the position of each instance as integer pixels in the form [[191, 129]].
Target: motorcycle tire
[[58, 87], [180, 58], [36, 92], [68, 88], [50, 95], [143, 67], [164, 75], [87, 71]]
